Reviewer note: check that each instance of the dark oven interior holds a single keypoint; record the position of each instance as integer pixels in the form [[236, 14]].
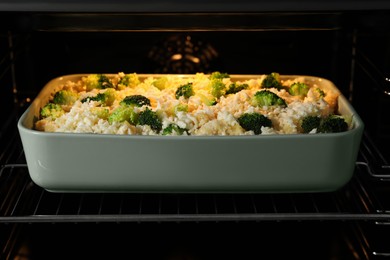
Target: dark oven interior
[[351, 48]]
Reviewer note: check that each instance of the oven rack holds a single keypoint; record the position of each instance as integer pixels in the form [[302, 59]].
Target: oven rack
[[363, 198]]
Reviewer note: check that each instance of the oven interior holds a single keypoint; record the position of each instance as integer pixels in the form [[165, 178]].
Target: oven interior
[[349, 48]]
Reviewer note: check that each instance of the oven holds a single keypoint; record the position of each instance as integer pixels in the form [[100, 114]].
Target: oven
[[347, 43]]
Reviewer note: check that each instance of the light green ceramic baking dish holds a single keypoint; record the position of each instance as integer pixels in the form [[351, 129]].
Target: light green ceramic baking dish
[[299, 163]]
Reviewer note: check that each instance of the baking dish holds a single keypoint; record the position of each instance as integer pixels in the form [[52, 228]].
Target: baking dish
[[73, 162]]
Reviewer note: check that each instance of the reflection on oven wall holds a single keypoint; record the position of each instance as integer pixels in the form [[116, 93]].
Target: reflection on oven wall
[[370, 85], [182, 54]]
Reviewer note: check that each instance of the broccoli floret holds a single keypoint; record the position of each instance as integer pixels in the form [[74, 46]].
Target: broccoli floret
[[185, 90], [175, 109], [136, 100], [321, 93], [51, 110], [109, 96], [218, 89], [272, 81], [97, 81], [101, 112], [129, 80], [218, 75], [106, 98], [173, 128], [309, 123], [333, 124], [65, 97], [123, 113], [160, 83], [212, 102], [268, 98], [150, 118], [254, 122], [181, 107], [298, 89], [100, 97], [234, 88]]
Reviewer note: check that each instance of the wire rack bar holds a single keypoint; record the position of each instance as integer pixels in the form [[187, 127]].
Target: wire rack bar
[[34, 204], [196, 217]]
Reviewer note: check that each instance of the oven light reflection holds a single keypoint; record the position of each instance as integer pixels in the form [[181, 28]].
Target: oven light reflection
[[176, 57], [387, 92]]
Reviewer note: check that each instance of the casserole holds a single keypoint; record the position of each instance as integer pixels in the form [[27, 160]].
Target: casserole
[[79, 162]]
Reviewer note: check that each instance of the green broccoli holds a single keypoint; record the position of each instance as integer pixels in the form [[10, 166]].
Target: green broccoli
[[328, 124], [51, 110], [136, 100], [160, 83], [309, 123], [106, 98], [123, 113], [218, 89], [149, 117], [101, 112], [298, 89], [185, 90], [321, 93], [235, 88], [97, 81], [218, 75], [268, 98], [180, 107], [173, 128], [272, 81], [100, 97], [65, 97], [174, 110], [333, 124], [254, 122], [129, 80]]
